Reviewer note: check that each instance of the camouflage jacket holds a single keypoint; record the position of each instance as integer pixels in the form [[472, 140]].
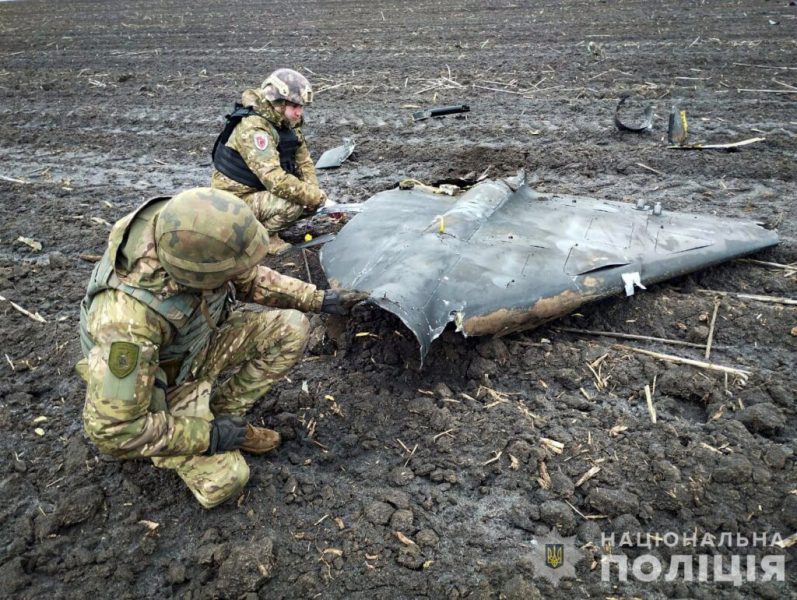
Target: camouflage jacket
[[142, 333], [261, 156]]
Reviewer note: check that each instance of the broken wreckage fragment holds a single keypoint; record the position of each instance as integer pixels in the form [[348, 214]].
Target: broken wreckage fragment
[[501, 257]]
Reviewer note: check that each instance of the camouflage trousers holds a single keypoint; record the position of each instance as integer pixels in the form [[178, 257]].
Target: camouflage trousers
[[272, 211], [262, 346]]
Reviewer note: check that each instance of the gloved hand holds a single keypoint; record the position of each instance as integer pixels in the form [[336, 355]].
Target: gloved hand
[[340, 302], [314, 206], [226, 433]]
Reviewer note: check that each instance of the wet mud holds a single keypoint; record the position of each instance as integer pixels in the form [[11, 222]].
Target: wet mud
[[105, 104]]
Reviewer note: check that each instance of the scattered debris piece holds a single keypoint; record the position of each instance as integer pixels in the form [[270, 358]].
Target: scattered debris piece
[[334, 157], [647, 122], [440, 111], [678, 129], [678, 133]]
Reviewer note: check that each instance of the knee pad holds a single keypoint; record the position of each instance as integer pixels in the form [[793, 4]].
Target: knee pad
[[217, 479]]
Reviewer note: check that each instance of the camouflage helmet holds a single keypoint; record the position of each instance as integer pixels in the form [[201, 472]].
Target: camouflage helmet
[[205, 237], [287, 84]]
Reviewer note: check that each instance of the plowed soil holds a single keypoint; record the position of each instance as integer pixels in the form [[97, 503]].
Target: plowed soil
[[104, 104]]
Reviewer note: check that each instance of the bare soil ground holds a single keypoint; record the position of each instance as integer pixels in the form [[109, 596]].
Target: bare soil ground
[[104, 104]]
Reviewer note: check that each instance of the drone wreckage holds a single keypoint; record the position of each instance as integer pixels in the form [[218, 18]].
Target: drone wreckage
[[500, 257]]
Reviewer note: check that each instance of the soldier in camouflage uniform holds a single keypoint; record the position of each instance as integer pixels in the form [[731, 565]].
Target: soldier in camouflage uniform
[[261, 155], [157, 329]]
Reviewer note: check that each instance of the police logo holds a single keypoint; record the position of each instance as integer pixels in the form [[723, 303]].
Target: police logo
[[123, 358], [554, 555], [261, 141]]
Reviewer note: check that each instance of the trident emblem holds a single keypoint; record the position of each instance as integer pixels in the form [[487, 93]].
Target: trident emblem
[[554, 555]]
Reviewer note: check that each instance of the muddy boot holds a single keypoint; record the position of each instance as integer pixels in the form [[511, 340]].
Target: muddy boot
[[277, 245], [259, 440]]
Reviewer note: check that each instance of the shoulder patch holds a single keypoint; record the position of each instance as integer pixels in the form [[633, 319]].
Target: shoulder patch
[[123, 358], [261, 141]]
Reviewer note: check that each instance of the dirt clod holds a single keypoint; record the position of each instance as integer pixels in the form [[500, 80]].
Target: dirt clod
[[246, 567], [379, 513], [612, 501], [763, 418]]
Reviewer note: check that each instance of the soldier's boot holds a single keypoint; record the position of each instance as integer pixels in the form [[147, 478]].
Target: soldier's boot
[[259, 440], [276, 245]]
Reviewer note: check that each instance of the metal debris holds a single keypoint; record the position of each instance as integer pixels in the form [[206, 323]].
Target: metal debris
[[501, 257], [647, 123], [334, 157], [440, 111]]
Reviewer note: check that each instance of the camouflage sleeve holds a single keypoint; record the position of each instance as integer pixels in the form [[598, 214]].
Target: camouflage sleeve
[[265, 286], [258, 147], [125, 412], [304, 162]]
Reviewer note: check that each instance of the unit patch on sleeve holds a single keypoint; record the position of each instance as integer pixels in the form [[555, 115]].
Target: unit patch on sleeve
[[261, 141], [122, 358]]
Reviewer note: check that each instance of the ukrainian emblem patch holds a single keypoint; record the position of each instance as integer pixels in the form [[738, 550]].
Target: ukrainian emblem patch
[[261, 141], [123, 358], [554, 555]]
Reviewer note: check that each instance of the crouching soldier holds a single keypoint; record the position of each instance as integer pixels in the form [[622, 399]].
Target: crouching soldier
[[261, 155], [157, 329]]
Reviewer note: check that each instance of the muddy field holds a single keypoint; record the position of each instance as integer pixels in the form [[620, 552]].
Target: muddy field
[[104, 104]]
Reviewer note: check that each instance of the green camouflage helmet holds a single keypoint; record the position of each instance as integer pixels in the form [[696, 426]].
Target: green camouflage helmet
[[287, 84], [205, 237]]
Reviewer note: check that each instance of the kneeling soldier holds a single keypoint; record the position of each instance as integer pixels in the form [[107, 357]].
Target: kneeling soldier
[[261, 155], [157, 329]]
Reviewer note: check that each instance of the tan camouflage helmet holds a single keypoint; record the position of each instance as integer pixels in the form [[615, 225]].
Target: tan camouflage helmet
[[287, 84], [205, 237]]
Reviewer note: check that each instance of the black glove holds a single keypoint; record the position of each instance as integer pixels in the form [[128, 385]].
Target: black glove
[[226, 433], [340, 302]]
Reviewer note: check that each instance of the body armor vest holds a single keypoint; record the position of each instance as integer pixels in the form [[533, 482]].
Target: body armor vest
[[229, 162]]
